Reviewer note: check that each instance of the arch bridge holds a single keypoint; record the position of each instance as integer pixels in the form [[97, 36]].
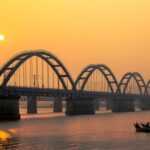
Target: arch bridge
[[38, 73]]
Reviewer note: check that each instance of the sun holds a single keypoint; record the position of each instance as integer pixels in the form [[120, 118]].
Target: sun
[[1, 37]]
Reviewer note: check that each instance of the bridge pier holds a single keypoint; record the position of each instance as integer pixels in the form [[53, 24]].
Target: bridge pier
[[97, 104], [123, 105], [144, 104], [57, 104], [9, 108], [80, 106], [32, 104]]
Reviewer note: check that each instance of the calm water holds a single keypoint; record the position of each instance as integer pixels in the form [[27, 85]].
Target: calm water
[[92, 132]]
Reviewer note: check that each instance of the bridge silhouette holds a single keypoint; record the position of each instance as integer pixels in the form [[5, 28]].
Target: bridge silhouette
[[38, 74]]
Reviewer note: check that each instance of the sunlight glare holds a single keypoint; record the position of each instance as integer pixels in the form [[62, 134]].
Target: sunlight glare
[[1, 37]]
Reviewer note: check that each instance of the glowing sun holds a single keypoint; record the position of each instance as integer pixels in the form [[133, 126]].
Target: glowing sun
[[1, 37]]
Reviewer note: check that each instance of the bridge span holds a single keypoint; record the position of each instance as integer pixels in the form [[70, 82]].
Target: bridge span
[[38, 73]]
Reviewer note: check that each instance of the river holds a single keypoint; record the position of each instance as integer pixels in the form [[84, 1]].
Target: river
[[52, 131]]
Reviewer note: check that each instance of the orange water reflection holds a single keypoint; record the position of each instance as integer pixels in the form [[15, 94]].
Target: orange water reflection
[[4, 135], [8, 138]]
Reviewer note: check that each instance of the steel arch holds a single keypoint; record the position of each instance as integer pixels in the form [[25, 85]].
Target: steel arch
[[124, 82], [148, 86], [88, 71], [43, 54], [126, 79], [141, 82]]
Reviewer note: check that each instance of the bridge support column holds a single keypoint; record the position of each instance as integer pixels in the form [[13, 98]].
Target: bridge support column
[[123, 105], [97, 104], [32, 105], [80, 106], [144, 104], [57, 105], [9, 108]]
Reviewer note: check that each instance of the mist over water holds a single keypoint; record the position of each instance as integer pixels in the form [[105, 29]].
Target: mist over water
[[52, 131]]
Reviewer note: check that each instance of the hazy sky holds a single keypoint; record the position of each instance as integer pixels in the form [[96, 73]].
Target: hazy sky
[[80, 32]]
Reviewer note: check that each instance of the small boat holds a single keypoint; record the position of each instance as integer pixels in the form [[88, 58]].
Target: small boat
[[142, 127]]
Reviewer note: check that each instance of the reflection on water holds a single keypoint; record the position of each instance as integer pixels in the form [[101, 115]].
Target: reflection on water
[[4, 135], [42, 113], [8, 139], [102, 131]]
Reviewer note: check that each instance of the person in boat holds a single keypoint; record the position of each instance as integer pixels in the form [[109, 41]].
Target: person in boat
[[140, 127], [143, 125], [137, 125], [147, 125]]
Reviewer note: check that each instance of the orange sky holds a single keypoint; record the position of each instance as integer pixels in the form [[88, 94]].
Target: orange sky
[[80, 32]]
